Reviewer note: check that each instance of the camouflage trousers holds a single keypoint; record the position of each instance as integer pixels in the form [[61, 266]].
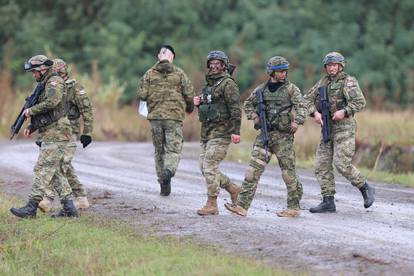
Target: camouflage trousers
[[77, 188], [167, 138], [50, 171], [338, 152], [281, 144], [212, 153]]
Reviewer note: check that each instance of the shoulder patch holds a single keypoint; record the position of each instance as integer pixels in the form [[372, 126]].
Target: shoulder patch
[[349, 83], [82, 92]]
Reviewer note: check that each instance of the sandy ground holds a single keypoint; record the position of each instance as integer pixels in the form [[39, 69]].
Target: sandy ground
[[120, 178]]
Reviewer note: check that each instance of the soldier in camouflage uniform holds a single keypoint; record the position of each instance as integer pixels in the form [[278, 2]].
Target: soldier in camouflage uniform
[[78, 105], [48, 116], [280, 97], [220, 117], [169, 94], [345, 99]]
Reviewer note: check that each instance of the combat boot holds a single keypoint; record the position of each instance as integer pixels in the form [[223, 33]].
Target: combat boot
[[28, 211], [368, 193], [234, 191], [210, 208], [236, 209], [45, 205], [82, 202], [68, 210], [326, 206], [288, 213], [166, 183]]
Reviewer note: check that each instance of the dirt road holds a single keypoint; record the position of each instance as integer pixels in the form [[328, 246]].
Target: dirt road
[[121, 180]]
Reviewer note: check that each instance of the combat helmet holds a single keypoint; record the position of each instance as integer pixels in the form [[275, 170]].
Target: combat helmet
[[334, 57], [276, 63], [60, 66], [219, 55], [38, 62]]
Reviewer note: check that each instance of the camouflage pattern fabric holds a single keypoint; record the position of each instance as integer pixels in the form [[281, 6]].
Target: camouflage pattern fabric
[[287, 94], [212, 153], [53, 99], [79, 105], [280, 144], [50, 168], [168, 92], [228, 93], [167, 138], [344, 93], [77, 188], [50, 171]]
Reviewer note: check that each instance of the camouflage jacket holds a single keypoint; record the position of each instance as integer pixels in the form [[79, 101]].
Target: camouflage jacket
[[53, 99], [228, 93], [167, 91], [79, 104], [343, 93], [283, 101]]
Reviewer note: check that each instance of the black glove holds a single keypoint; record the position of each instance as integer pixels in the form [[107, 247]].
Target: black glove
[[189, 108], [39, 143], [85, 140]]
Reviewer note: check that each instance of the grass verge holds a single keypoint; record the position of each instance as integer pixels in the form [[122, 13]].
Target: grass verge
[[241, 154], [98, 246]]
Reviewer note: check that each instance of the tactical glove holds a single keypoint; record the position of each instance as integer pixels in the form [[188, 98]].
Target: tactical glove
[[85, 140]]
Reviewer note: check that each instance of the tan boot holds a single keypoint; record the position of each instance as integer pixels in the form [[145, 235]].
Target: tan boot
[[234, 191], [236, 209], [81, 202], [210, 208], [288, 213], [45, 205]]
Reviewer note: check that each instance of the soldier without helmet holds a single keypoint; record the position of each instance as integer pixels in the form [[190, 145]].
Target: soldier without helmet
[[169, 95]]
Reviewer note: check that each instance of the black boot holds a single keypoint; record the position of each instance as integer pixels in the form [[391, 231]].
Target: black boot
[[28, 211], [368, 194], [68, 210], [166, 183], [326, 206]]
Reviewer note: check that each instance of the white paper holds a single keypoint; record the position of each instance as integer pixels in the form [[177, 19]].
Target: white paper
[[142, 109]]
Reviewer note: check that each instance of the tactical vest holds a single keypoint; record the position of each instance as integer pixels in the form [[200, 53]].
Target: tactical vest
[[73, 110], [278, 107], [213, 108], [336, 95], [43, 120]]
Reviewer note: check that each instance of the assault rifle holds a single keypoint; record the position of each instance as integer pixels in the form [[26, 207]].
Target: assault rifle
[[261, 110], [29, 102], [326, 114]]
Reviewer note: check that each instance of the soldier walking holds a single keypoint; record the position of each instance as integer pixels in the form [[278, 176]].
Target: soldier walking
[[48, 116], [280, 97], [220, 117], [345, 99], [79, 106], [169, 95]]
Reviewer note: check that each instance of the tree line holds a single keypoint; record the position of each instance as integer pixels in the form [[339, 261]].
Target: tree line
[[120, 38]]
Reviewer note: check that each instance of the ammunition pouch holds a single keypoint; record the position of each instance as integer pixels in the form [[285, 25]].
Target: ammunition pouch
[[41, 121], [282, 122], [73, 112], [213, 112]]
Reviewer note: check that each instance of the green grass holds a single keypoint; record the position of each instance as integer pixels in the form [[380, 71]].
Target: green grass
[[98, 246]]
